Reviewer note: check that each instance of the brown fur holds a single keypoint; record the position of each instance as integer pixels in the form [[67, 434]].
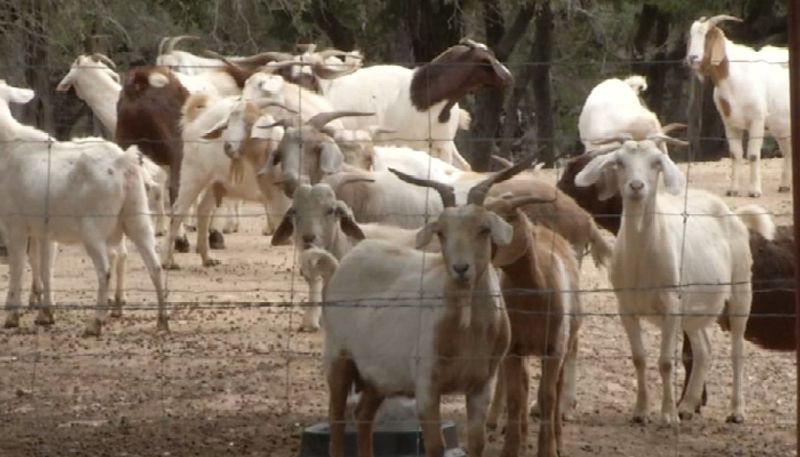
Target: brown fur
[[715, 63], [606, 213], [454, 73], [194, 105], [725, 105], [537, 319], [149, 117]]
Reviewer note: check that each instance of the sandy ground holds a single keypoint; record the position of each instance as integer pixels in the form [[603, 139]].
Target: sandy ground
[[234, 377]]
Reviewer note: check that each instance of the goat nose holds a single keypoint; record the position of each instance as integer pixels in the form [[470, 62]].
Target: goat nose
[[309, 238], [637, 185], [461, 268]]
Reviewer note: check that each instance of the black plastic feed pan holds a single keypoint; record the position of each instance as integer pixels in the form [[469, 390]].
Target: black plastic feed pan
[[398, 439]]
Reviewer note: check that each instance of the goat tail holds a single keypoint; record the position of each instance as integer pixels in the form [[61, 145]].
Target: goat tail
[[757, 219], [600, 247], [636, 82], [464, 119], [317, 262]]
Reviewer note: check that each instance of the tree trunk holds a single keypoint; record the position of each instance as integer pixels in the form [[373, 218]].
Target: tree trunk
[[39, 111], [434, 25], [341, 36], [542, 84]]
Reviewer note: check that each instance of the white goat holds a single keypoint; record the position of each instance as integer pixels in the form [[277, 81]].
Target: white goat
[[613, 108], [450, 302], [205, 163], [751, 92], [54, 191], [678, 272], [95, 82]]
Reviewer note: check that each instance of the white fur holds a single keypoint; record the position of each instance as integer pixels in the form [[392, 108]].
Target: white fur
[[385, 90], [677, 273], [757, 90], [54, 191]]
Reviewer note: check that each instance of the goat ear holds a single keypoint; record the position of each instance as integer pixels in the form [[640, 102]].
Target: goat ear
[[66, 83], [502, 232], [216, 130], [674, 180], [607, 185], [425, 234], [593, 170], [348, 222], [330, 157], [716, 44], [284, 230]]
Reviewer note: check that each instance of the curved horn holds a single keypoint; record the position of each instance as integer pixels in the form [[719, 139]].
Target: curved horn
[[218, 56], [262, 103], [479, 191], [516, 202], [98, 57], [327, 71], [446, 191], [175, 40], [319, 120], [354, 179], [337, 53], [161, 45], [714, 20], [502, 161], [673, 126], [279, 123], [264, 58], [661, 138], [274, 66]]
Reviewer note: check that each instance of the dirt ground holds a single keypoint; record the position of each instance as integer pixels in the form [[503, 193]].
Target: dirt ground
[[234, 377]]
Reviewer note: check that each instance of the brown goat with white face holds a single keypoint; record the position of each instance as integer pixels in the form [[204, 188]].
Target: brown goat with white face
[[541, 275]]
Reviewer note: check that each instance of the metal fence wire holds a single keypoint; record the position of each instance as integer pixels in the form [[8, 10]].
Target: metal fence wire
[[236, 375]]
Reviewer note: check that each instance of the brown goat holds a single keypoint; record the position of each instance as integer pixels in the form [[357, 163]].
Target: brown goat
[[452, 74], [541, 275], [607, 213]]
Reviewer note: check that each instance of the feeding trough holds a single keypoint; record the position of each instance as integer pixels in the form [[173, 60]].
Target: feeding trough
[[397, 439]]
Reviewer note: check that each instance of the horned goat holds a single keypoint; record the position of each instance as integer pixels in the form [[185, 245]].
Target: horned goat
[[420, 105], [751, 93], [206, 167], [451, 301], [678, 272], [85, 178]]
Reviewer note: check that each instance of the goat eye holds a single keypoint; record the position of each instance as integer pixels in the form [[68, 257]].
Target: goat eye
[[330, 211], [484, 231]]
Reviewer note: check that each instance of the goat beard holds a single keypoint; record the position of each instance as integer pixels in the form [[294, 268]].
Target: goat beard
[[462, 300]]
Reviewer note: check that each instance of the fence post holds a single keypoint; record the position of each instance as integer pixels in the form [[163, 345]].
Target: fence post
[[794, 93]]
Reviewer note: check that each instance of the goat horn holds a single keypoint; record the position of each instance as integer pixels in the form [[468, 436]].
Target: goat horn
[[98, 57], [446, 191], [661, 138], [175, 40], [319, 120], [502, 161], [261, 103], [673, 126], [279, 123], [522, 201], [478, 192], [352, 180], [604, 150], [327, 71], [338, 53], [218, 56], [714, 20], [272, 67], [265, 57], [161, 45]]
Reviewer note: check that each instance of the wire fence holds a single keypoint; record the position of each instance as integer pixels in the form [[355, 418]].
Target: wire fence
[[236, 375]]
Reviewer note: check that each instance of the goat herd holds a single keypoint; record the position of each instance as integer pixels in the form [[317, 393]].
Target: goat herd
[[435, 279]]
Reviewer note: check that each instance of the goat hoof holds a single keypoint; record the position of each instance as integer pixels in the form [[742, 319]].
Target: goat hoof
[[780, 189], [190, 228], [732, 193], [639, 419], [735, 419], [171, 266], [754, 194], [216, 240], [685, 415], [93, 328], [182, 244], [44, 317], [308, 328], [209, 262], [12, 320]]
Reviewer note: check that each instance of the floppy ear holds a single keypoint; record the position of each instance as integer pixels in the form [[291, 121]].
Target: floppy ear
[[425, 234], [592, 172], [330, 157], [19, 95], [715, 42], [607, 184], [284, 230], [674, 180], [216, 130], [502, 232], [348, 222], [66, 82]]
